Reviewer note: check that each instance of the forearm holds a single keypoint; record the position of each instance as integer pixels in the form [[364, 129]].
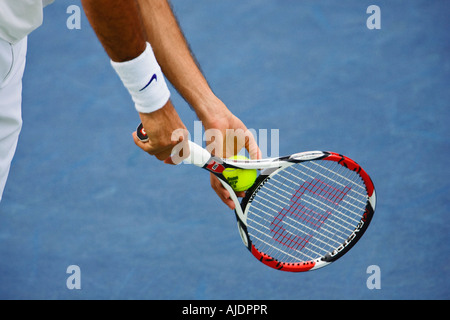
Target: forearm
[[174, 56], [117, 26]]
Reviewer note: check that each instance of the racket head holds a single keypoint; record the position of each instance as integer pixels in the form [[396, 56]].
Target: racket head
[[308, 212]]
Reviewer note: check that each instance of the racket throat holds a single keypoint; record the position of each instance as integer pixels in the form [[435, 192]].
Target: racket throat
[[243, 233]]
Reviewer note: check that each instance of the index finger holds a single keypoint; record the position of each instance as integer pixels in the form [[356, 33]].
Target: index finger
[[160, 153], [252, 147]]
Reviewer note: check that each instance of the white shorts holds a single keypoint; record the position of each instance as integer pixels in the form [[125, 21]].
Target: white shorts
[[12, 66]]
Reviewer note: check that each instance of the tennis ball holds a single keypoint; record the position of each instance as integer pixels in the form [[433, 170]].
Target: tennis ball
[[240, 179]]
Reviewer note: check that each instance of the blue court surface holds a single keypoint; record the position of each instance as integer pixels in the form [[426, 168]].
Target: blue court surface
[[81, 193]]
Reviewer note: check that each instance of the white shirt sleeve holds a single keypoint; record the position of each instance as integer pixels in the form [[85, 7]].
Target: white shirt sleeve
[[20, 17]]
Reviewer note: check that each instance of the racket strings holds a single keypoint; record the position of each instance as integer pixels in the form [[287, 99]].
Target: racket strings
[[306, 211]]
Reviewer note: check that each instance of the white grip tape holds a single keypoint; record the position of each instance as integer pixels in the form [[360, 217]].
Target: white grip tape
[[197, 155]]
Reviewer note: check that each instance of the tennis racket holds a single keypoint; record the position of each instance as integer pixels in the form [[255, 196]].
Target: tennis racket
[[303, 212]]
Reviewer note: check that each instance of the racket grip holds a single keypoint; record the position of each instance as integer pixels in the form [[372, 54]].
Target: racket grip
[[197, 155]]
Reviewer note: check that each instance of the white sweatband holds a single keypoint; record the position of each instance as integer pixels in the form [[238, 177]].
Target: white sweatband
[[144, 80]]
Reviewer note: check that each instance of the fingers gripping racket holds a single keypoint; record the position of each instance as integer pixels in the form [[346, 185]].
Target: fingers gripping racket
[[303, 212]]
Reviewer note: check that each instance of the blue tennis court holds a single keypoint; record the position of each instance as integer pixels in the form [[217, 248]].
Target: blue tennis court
[[81, 193]]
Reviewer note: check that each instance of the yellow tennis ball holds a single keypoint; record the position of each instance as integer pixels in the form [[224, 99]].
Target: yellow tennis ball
[[240, 179]]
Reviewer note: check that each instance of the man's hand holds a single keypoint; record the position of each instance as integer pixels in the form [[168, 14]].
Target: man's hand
[[228, 135], [160, 126]]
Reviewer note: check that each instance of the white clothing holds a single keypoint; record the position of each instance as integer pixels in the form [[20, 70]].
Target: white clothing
[[18, 18], [12, 65]]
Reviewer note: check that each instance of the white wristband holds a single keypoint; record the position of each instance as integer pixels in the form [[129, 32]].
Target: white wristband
[[144, 80]]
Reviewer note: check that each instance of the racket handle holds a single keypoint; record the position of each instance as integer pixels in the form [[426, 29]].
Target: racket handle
[[197, 155]]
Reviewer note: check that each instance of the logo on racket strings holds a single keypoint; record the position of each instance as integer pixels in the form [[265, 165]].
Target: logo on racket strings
[[296, 224]]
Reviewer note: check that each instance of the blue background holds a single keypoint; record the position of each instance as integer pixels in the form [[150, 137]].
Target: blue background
[[81, 193]]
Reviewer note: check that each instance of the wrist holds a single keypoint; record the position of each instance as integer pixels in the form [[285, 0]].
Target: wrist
[[144, 80], [210, 109]]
